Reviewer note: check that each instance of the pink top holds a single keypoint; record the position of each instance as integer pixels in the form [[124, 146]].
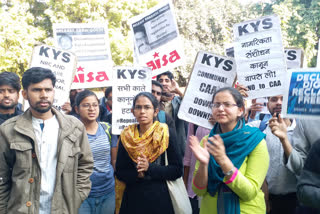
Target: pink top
[[189, 158]]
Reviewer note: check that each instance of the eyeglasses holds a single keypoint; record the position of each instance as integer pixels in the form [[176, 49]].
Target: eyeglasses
[[109, 98], [156, 92], [139, 108], [224, 105], [87, 105]]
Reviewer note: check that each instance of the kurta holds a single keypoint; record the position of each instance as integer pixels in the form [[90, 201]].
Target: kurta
[[149, 194], [247, 184]]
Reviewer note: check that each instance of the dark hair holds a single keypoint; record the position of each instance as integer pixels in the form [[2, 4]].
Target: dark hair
[[140, 28], [107, 91], [156, 83], [148, 95], [11, 79], [84, 94], [235, 94], [36, 75], [167, 73]]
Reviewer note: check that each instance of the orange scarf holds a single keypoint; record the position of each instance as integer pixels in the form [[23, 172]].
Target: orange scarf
[[151, 144]]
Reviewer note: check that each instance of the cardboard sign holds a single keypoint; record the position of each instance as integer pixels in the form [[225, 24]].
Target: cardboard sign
[[294, 57], [127, 83], [210, 72], [302, 97], [90, 43], [62, 64], [261, 64], [156, 39]]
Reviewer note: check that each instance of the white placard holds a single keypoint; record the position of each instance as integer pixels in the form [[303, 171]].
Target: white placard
[[210, 72], [90, 43], [127, 83], [62, 64], [259, 55], [156, 38], [294, 57], [302, 94]]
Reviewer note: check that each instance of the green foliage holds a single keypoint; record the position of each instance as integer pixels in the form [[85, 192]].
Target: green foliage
[[300, 23], [17, 37]]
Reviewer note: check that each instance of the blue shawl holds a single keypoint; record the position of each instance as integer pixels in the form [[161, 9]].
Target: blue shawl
[[239, 143]]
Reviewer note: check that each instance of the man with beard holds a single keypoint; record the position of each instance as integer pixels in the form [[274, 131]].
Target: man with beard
[[9, 95], [170, 103], [45, 157], [281, 181]]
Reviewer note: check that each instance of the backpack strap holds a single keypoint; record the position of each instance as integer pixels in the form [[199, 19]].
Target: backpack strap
[[162, 116], [106, 128]]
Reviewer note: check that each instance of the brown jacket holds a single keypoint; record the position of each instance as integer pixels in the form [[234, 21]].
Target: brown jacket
[[20, 172]]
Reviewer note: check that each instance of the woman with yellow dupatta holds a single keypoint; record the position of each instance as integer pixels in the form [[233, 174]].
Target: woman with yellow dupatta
[[141, 160]]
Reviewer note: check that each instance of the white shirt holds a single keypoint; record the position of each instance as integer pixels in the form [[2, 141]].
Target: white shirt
[[47, 141], [280, 180]]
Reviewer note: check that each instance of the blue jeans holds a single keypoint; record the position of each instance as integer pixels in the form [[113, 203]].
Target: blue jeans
[[101, 205]]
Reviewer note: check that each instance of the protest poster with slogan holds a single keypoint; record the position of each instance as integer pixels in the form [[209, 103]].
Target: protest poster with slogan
[[156, 39], [210, 72], [302, 94], [127, 83], [294, 57], [259, 54], [90, 43], [62, 64]]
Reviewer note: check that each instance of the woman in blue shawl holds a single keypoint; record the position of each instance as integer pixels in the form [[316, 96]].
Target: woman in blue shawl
[[232, 161]]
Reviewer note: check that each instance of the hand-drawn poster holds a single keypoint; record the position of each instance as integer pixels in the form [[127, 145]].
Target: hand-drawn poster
[[259, 54], [127, 83], [210, 72], [62, 64]]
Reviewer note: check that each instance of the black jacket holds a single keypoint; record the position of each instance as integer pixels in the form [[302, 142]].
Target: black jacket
[[149, 194], [4, 117]]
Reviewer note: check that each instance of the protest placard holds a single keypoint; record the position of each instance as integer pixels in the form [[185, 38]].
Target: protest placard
[[210, 72], [127, 83], [302, 94], [156, 38], [62, 64], [90, 43], [294, 57], [259, 54]]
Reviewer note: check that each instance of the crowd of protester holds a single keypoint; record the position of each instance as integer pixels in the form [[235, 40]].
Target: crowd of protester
[[249, 162]]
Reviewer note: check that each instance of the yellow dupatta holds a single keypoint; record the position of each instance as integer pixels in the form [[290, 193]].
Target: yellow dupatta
[[152, 143]]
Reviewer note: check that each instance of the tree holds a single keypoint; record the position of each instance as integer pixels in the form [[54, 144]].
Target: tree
[[17, 37], [300, 24]]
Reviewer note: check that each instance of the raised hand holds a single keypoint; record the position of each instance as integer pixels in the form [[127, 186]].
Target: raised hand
[[278, 126], [217, 149], [201, 153]]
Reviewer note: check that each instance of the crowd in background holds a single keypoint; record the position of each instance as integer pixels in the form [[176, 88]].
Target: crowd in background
[[249, 162]]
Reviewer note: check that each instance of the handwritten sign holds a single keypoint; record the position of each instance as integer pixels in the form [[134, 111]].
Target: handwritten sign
[[294, 57], [259, 55], [90, 43], [302, 97], [62, 64], [127, 83], [210, 72], [156, 39]]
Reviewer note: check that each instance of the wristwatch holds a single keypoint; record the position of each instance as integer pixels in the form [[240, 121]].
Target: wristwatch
[[229, 172]]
